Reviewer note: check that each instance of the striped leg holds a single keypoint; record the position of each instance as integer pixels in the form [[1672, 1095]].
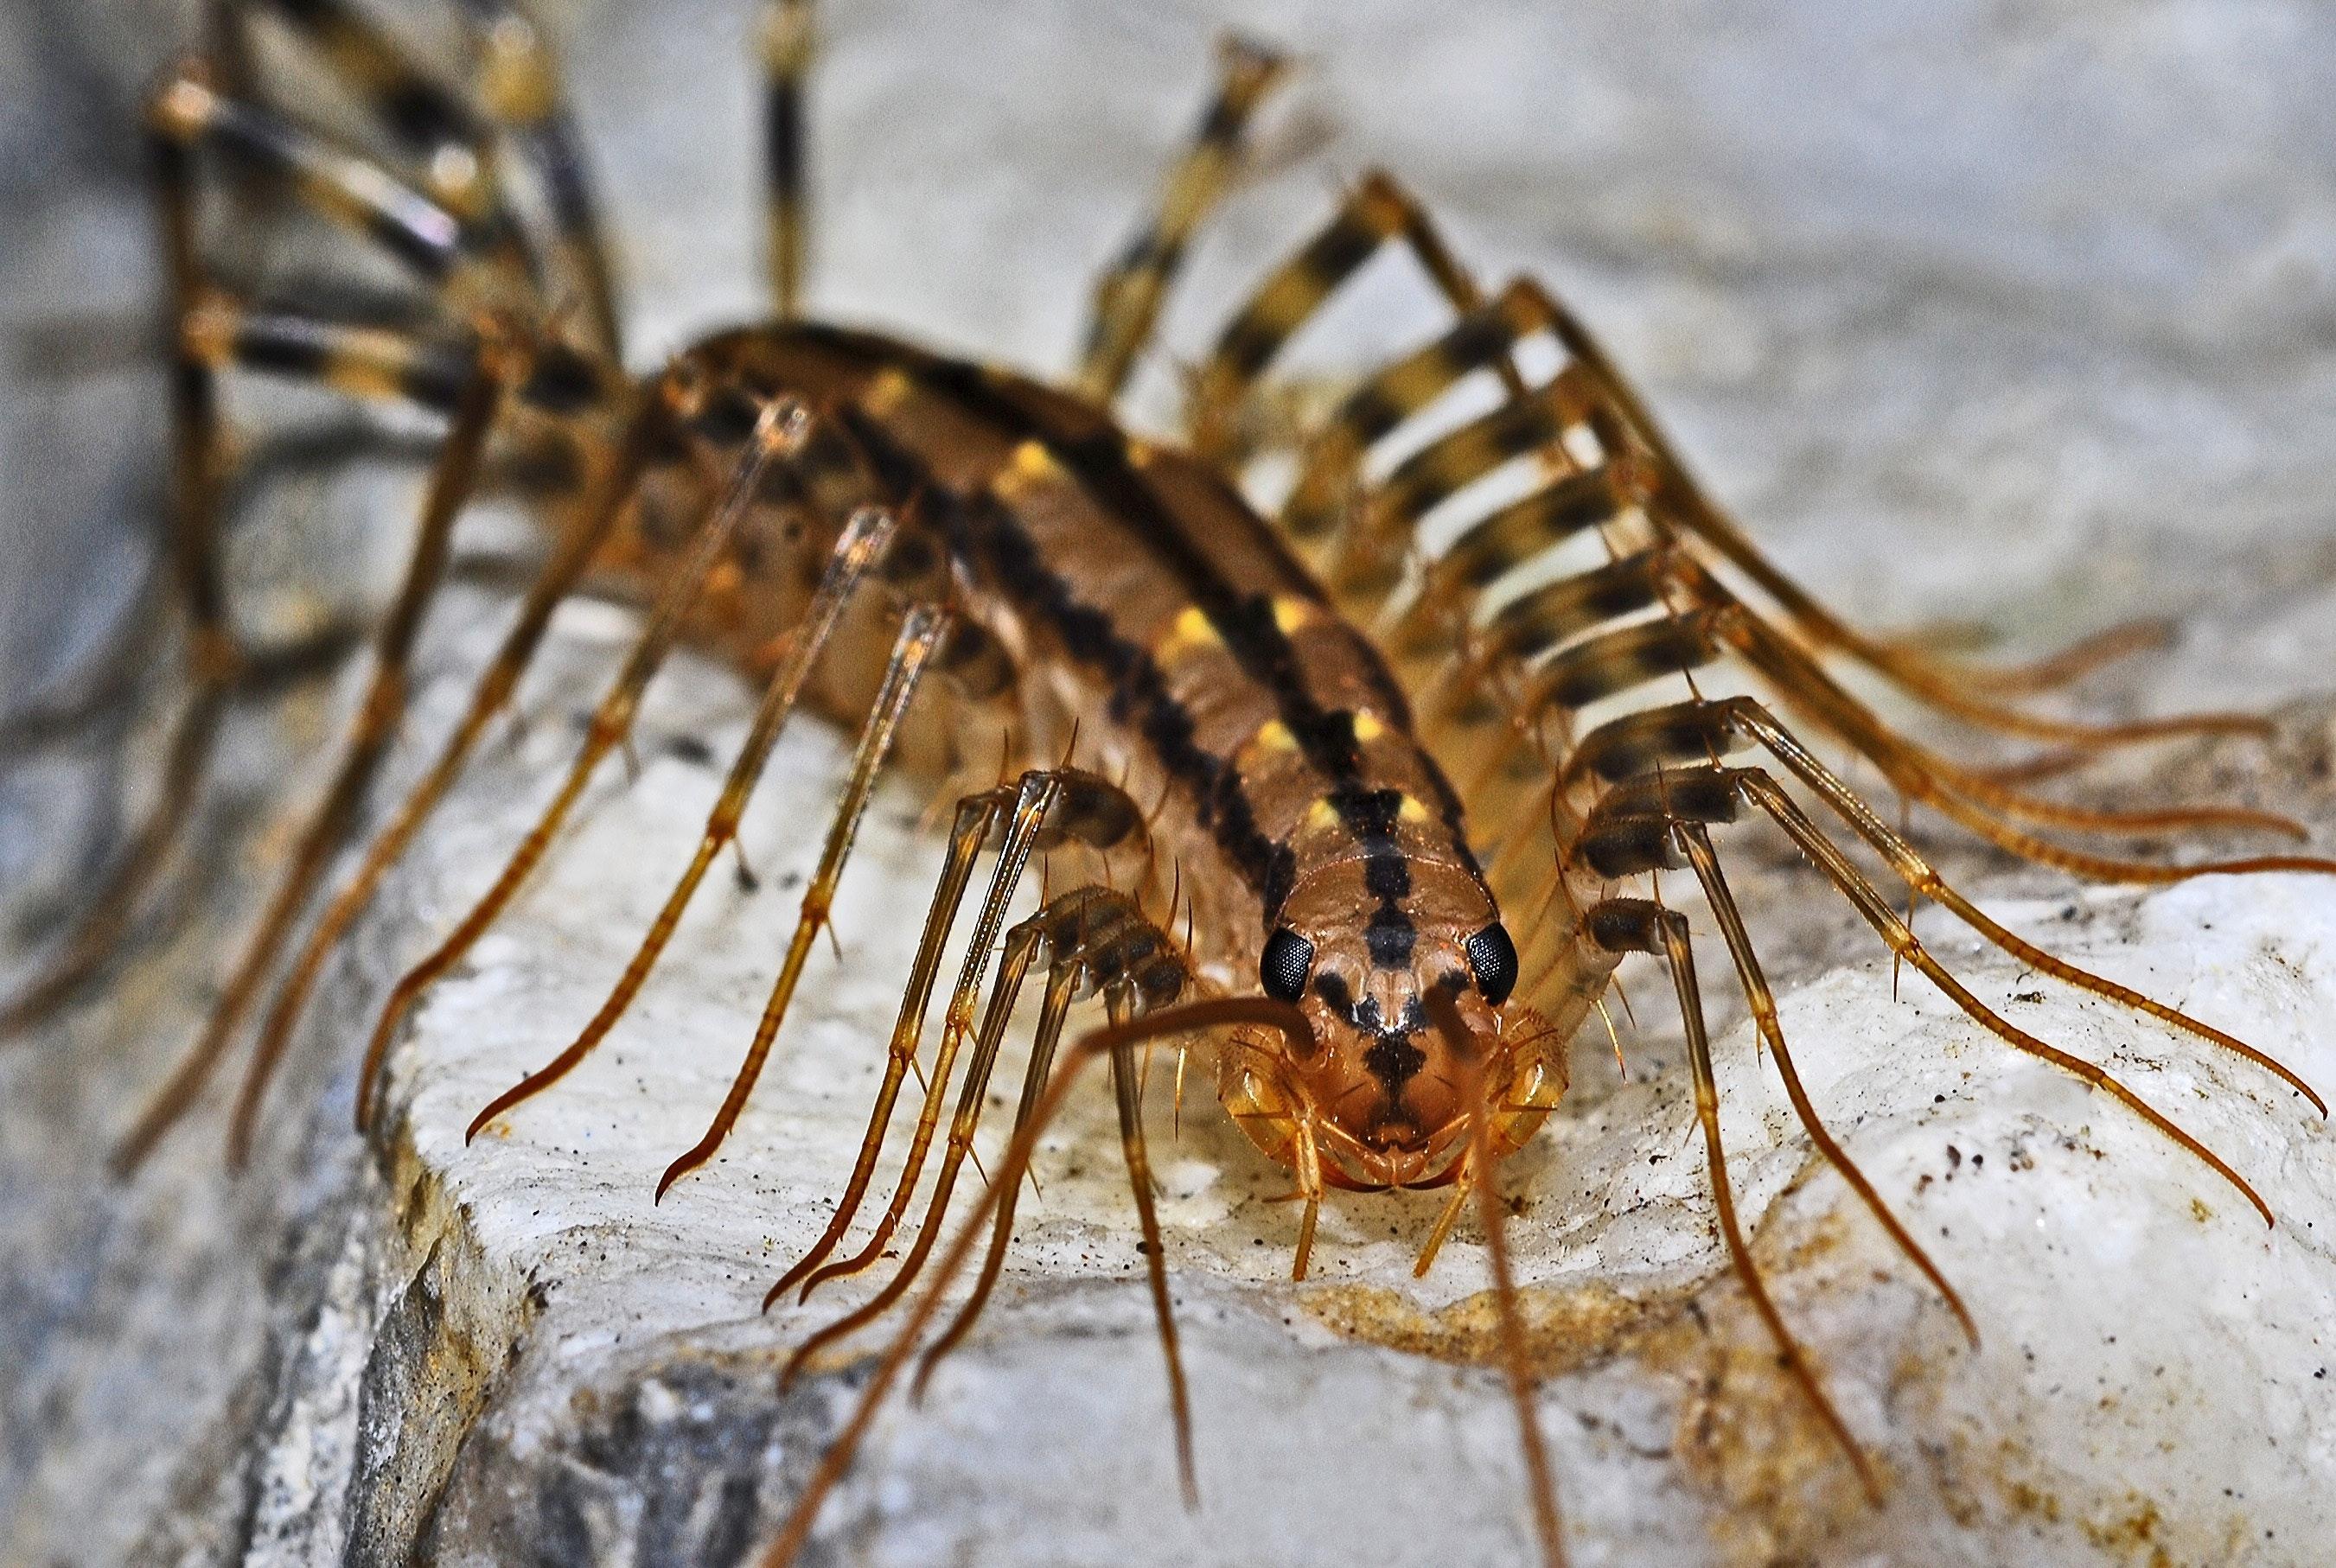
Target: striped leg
[[1585, 409], [329, 824], [1377, 213], [1089, 936], [432, 240], [1561, 654], [377, 363], [1764, 793], [437, 133], [788, 42], [1127, 297], [519, 85], [863, 540]]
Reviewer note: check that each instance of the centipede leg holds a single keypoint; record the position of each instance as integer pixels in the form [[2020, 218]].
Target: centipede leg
[[1941, 684], [1802, 681], [439, 137], [1922, 880], [1022, 944], [1127, 297], [977, 818], [1379, 212], [379, 712], [863, 540], [1183, 1018], [1837, 869], [376, 361], [1697, 841], [611, 720], [1035, 798], [1636, 925], [1062, 984], [920, 634], [1916, 773], [213, 660], [1480, 1175], [519, 85], [789, 40], [401, 221], [1125, 1081]]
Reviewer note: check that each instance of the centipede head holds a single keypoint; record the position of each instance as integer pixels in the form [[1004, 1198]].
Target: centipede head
[[1384, 1087]]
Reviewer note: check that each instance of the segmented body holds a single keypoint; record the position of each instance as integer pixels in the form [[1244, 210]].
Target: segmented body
[[1371, 789]]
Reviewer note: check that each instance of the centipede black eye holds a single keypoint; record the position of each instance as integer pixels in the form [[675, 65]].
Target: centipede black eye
[[1495, 958], [1289, 959]]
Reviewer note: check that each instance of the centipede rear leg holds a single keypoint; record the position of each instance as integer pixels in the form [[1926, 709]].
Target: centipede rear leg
[[1504, 675], [465, 247]]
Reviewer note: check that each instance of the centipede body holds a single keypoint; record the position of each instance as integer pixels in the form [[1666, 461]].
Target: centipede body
[[1620, 844]]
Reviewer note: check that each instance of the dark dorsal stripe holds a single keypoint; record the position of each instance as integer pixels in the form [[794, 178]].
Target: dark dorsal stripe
[[1097, 459]]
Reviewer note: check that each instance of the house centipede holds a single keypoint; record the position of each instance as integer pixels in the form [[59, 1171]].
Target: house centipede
[[1313, 783]]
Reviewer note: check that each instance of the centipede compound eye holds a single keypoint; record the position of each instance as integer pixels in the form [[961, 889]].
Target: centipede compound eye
[[1289, 959], [1494, 957]]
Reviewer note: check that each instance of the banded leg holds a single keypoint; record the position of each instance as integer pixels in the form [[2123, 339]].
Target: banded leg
[[1127, 297], [378, 716], [920, 634], [863, 540], [1589, 664], [213, 660], [1635, 925], [1379, 212], [788, 41], [1022, 945], [779, 429], [438, 134], [1640, 470], [376, 362], [403, 221], [518, 83], [1048, 808], [1963, 797], [1090, 937], [1925, 883], [1062, 986]]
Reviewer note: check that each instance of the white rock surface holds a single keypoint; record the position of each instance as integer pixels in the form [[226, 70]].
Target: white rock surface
[[2015, 319]]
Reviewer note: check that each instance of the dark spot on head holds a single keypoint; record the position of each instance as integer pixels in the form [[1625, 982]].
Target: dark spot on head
[[1390, 936], [1386, 877], [1335, 994], [1393, 1061]]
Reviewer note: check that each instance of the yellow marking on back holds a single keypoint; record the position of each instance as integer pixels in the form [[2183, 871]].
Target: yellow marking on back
[[1292, 614], [1367, 727], [1191, 631], [1413, 810], [888, 390], [1030, 466], [1322, 816], [1273, 736]]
